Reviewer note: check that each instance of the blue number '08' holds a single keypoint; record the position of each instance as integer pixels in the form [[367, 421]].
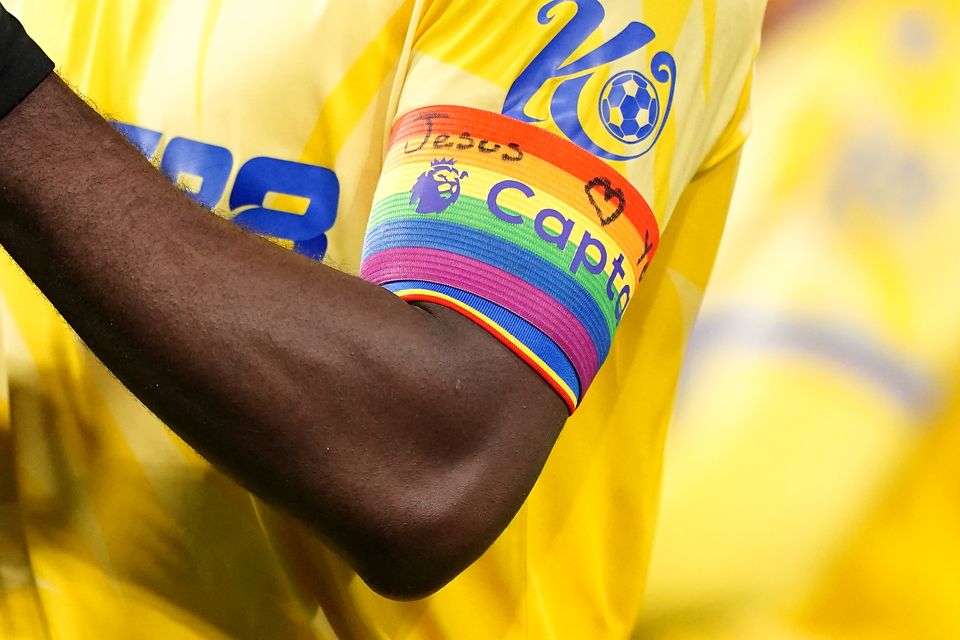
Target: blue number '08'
[[209, 163], [319, 186], [256, 179]]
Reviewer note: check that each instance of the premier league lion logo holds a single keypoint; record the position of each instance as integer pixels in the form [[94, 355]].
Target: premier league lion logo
[[438, 189]]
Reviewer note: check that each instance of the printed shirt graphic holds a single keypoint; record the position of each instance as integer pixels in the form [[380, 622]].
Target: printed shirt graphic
[[287, 121]]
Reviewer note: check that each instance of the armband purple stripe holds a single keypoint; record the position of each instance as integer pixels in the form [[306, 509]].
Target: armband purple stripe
[[430, 233], [495, 285]]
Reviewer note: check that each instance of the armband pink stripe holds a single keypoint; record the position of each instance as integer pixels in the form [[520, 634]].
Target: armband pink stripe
[[495, 285]]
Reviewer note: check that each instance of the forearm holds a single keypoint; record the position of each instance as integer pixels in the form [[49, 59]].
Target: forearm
[[312, 387]]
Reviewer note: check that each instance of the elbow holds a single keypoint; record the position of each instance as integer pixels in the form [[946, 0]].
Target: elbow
[[427, 537], [444, 472], [408, 570]]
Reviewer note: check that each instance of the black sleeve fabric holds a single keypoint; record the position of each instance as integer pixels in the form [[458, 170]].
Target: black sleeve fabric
[[23, 64]]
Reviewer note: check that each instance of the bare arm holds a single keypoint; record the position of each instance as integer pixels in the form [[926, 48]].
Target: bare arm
[[406, 435]]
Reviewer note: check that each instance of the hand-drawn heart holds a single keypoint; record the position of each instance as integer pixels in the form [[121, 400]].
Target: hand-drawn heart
[[609, 193]]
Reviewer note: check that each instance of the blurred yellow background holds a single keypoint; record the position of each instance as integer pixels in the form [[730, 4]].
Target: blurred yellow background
[[812, 485]]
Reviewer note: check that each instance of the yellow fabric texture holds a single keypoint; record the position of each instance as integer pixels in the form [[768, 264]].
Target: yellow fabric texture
[[826, 349], [899, 575], [114, 528]]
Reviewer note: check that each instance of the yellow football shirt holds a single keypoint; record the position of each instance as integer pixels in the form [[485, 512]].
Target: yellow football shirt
[[898, 575], [828, 343], [282, 118]]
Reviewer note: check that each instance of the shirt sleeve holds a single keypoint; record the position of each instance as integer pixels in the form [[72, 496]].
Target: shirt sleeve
[[23, 65], [511, 190]]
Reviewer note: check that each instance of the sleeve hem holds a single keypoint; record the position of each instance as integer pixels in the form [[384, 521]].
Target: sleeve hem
[[24, 64]]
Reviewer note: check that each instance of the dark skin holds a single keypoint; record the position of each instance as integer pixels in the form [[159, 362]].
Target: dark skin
[[405, 435]]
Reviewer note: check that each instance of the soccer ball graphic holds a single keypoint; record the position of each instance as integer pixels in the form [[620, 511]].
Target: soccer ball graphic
[[629, 107]]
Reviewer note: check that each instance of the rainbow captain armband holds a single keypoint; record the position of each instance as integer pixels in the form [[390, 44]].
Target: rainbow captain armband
[[534, 239]]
